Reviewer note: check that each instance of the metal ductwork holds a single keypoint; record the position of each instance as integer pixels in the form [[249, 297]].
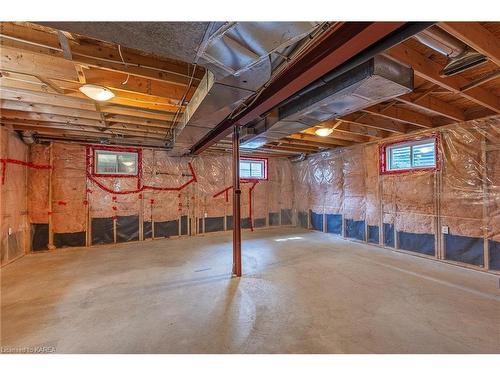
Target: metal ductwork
[[239, 57], [460, 56], [298, 158], [28, 137], [376, 80]]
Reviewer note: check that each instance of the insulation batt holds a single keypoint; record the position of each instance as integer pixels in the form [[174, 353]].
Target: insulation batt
[[347, 181], [213, 174]]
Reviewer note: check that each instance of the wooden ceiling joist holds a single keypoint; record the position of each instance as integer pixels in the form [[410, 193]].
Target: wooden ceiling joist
[[90, 52], [339, 132], [69, 89], [401, 115], [378, 123], [320, 140], [432, 104], [83, 126], [47, 99], [55, 128], [430, 70]]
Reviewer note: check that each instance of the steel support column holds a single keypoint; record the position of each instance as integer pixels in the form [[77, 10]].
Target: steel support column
[[236, 203]]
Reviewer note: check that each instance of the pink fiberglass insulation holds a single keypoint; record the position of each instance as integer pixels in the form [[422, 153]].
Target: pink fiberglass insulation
[[73, 191], [354, 183], [68, 188], [464, 190], [38, 185], [493, 196], [462, 186], [372, 199]]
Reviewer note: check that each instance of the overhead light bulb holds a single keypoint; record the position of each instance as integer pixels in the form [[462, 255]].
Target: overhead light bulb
[[323, 132], [96, 92]]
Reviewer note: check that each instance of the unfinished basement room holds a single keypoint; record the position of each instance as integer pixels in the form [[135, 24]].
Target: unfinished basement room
[[250, 187]]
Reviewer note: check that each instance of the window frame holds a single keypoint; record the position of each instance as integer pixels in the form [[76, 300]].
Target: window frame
[[265, 163], [386, 147], [111, 149]]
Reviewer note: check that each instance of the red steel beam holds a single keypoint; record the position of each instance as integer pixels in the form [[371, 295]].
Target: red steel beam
[[334, 49], [236, 204]]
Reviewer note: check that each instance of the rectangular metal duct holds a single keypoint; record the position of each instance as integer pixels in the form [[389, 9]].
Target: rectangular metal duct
[[372, 82]]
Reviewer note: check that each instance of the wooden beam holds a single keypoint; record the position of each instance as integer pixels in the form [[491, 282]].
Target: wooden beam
[[317, 144], [349, 128], [475, 36], [135, 100], [434, 105], [317, 139], [58, 128], [378, 123], [92, 52], [338, 133], [401, 115], [81, 114], [123, 141], [14, 60], [76, 121], [283, 143], [53, 99], [430, 70], [296, 150]]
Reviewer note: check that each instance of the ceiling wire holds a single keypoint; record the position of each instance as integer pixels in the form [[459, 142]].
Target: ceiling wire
[[123, 60]]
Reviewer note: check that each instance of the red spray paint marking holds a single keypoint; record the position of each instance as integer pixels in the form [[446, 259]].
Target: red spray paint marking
[[226, 192], [140, 187], [20, 162]]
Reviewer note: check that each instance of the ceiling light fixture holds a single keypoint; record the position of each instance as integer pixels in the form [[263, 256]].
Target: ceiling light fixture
[[323, 132], [96, 92]]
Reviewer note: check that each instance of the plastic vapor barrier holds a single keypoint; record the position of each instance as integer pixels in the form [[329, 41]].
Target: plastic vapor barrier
[[450, 212]]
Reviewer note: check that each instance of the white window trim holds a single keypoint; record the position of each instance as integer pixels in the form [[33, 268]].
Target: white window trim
[[389, 148], [263, 162], [97, 172]]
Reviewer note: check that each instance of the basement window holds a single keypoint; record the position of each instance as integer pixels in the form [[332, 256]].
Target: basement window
[[253, 168], [115, 163], [409, 156]]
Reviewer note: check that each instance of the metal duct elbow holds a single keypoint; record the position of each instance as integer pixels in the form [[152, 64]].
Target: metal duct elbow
[[28, 137], [460, 56], [298, 158]]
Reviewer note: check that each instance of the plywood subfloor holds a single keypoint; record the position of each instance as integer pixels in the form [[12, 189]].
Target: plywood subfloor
[[302, 292]]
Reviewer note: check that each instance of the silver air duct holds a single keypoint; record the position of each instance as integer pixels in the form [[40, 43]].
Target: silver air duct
[[460, 56], [377, 80], [27, 137]]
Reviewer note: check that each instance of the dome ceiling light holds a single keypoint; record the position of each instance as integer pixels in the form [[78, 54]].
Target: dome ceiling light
[[96, 92], [323, 132]]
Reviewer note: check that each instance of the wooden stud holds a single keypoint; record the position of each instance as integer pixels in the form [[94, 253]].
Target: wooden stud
[[51, 209], [484, 178]]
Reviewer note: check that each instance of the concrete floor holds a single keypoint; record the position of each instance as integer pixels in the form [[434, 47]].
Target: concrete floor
[[302, 292]]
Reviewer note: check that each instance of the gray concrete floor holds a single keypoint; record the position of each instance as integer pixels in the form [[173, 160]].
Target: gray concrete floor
[[302, 292]]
